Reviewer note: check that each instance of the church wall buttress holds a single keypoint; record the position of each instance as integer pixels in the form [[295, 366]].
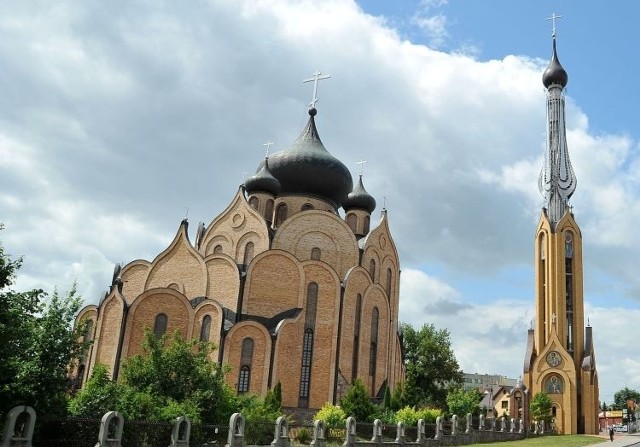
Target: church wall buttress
[[260, 357], [107, 337], [223, 280]]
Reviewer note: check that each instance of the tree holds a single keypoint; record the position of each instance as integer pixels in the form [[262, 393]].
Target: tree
[[38, 341], [356, 402], [431, 365], [461, 402], [98, 396], [627, 398], [540, 407]]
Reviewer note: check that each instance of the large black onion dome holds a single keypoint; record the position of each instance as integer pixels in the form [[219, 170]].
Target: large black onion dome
[[555, 74], [263, 180], [306, 167], [359, 198]]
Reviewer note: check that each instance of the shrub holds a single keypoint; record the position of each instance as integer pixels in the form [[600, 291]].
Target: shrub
[[331, 415], [303, 435], [357, 403]]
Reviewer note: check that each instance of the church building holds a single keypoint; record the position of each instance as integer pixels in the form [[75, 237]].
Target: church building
[[291, 282], [560, 359]]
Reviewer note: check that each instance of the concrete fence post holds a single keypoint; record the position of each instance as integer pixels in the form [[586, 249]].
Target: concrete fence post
[[180, 432], [438, 428], [521, 426], [481, 423], [377, 432], [400, 433], [467, 430], [235, 438], [319, 436], [421, 437], [281, 433], [350, 435], [24, 438], [104, 439], [454, 425]]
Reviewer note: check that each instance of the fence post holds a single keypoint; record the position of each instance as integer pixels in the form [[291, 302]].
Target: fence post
[[319, 437], [103, 436], [235, 438], [467, 430], [400, 433], [493, 424], [377, 432], [454, 425], [281, 433], [481, 423], [421, 437], [180, 437], [513, 425], [438, 428], [350, 435], [521, 426], [26, 435], [542, 427]]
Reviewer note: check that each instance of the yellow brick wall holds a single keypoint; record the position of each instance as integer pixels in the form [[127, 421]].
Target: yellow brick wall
[[260, 360], [108, 331], [224, 281]]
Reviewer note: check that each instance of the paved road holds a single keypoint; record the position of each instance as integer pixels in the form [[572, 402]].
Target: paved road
[[621, 440]]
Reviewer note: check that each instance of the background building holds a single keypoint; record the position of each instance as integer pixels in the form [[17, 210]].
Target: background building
[[290, 290], [560, 358]]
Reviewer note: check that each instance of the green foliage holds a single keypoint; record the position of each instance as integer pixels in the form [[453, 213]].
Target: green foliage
[[623, 397], [98, 396], [410, 415], [430, 414], [431, 365], [303, 435], [398, 400], [332, 415], [386, 401], [38, 340], [260, 419], [356, 403], [273, 399], [540, 407], [461, 402]]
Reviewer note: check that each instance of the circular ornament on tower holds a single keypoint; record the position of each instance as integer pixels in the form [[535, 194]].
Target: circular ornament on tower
[[554, 359]]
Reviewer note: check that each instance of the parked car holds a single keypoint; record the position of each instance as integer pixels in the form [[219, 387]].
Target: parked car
[[621, 428]]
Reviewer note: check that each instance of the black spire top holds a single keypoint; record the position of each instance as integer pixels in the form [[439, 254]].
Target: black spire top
[[359, 198], [555, 74], [263, 180]]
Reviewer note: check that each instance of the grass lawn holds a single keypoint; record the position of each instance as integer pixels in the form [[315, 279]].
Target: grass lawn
[[555, 441]]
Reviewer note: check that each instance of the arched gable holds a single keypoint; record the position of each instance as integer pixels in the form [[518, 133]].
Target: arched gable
[[260, 360], [302, 232], [229, 228], [179, 266], [223, 280], [214, 311], [374, 371], [381, 238], [274, 284], [134, 276], [145, 309]]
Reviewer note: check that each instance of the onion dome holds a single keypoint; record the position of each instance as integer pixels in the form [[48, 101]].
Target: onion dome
[[263, 180], [359, 198], [555, 74], [306, 167]]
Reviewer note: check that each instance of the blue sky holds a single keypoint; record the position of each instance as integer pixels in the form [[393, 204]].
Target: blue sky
[[115, 118]]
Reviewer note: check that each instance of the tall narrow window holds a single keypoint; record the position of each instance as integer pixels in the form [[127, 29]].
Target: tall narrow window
[[352, 221], [160, 325], [281, 213], [373, 348], [246, 357], [542, 278], [389, 284], [568, 270], [87, 337], [205, 329], [253, 202], [372, 270], [315, 253], [307, 345], [356, 339], [268, 210], [248, 253], [367, 219]]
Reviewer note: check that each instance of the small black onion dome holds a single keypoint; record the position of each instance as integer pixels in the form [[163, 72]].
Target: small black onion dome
[[555, 74], [359, 198], [263, 180], [306, 167]]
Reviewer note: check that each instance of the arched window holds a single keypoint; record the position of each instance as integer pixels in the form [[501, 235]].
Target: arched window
[[352, 221], [373, 354], [246, 357], [86, 338], [568, 282], [542, 283], [389, 277], [372, 269], [281, 213], [356, 339], [307, 344], [217, 249], [206, 328], [315, 253], [268, 210], [160, 325], [248, 253], [306, 207], [367, 221], [253, 202]]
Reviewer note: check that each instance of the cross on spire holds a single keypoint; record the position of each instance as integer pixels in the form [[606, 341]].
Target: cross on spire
[[317, 76], [268, 144], [553, 23], [361, 163]]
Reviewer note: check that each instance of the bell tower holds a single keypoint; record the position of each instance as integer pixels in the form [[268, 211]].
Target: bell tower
[[560, 360]]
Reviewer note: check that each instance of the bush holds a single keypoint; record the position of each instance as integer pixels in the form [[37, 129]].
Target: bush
[[357, 403], [303, 435], [331, 415]]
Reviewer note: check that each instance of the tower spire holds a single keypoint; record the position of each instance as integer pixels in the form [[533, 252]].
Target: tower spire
[[557, 181]]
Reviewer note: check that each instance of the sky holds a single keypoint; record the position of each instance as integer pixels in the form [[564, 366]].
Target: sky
[[119, 119]]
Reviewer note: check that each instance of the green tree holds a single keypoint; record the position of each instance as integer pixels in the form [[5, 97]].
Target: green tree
[[98, 396], [38, 341], [273, 399], [540, 407], [332, 415], [626, 398], [461, 402], [356, 402], [431, 365]]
